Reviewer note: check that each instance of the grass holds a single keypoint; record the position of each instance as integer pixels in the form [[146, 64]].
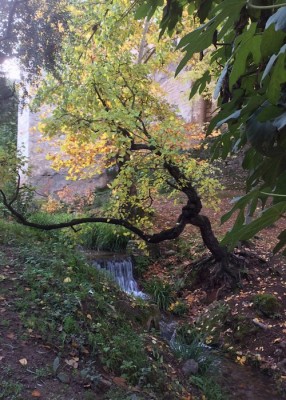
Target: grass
[[209, 387], [100, 236], [189, 345], [64, 300], [10, 389], [161, 292], [103, 237], [68, 301]]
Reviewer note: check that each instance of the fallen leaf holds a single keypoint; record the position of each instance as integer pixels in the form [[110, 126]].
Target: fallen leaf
[[67, 279], [278, 340], [73, 362], [23, 361], [10, 335], [84, 350], [119, 381], [241, 360], [36, 393]]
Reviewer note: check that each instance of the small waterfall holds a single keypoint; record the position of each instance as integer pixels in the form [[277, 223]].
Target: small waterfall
[[121, 270]]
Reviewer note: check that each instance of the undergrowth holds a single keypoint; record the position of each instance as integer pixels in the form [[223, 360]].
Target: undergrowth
[[65, 301]]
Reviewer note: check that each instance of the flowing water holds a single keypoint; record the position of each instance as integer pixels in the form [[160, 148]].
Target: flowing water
[[241, 382], [121, 270]]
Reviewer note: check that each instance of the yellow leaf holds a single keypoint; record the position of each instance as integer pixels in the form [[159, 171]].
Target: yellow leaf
[[23, 361], [241, 360], [67, 279]]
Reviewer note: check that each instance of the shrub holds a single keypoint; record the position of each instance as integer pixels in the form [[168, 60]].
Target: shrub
[[141, 264], [179, 308], [161, 292], [103, 237]]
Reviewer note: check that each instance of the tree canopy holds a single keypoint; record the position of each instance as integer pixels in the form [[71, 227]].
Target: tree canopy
[[32, 31], [107, 106]]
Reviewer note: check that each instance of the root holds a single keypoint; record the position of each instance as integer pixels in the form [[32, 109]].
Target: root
[[224, 275]]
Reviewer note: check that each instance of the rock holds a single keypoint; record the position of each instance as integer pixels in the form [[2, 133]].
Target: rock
[[167, 329], [282, 365], [282, 345], [64, 378], [170, 253], [104, 384], [190, 367]]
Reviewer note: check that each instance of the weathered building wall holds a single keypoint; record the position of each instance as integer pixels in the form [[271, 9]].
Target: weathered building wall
[[43, 177]]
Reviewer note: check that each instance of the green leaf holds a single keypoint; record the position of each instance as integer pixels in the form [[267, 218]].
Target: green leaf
[[278, 19], [271, 41], [202, 37], [191, 8], [143, 10], [278, 77], [220, 81], [246, 232], [200, 84], [280, 122], [281, 243], [247, 44], [268, 112], [234, 115], [147, 9], [272, 61], [204, 9], [240, 203]]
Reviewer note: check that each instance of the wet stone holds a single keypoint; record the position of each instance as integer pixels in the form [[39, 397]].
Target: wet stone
[[190, 367]]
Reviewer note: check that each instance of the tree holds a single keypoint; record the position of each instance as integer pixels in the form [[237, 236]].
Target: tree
[[32, 31], [107, 107], [8, 112], [247, 40]]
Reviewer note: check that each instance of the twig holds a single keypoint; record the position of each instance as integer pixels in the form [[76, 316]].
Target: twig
[[251, 5]]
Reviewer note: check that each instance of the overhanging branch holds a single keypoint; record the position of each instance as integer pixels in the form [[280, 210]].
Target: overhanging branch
[[166, 234]]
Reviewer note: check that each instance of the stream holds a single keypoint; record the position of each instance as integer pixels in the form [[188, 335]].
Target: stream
[[240, 382]]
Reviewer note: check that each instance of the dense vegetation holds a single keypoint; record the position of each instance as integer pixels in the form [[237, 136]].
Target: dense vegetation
[[246, 42]]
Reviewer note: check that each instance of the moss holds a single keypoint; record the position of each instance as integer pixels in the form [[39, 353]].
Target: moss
[[243, 328], [267, 304]]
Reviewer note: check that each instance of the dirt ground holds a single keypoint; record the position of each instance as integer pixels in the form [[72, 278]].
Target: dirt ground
[[27, 362]]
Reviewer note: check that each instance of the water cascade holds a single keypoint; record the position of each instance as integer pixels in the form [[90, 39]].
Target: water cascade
[[121, 270]]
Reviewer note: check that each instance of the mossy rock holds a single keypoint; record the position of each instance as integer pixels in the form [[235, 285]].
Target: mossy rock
[[243, 328], [267, 304], [147, 315]]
